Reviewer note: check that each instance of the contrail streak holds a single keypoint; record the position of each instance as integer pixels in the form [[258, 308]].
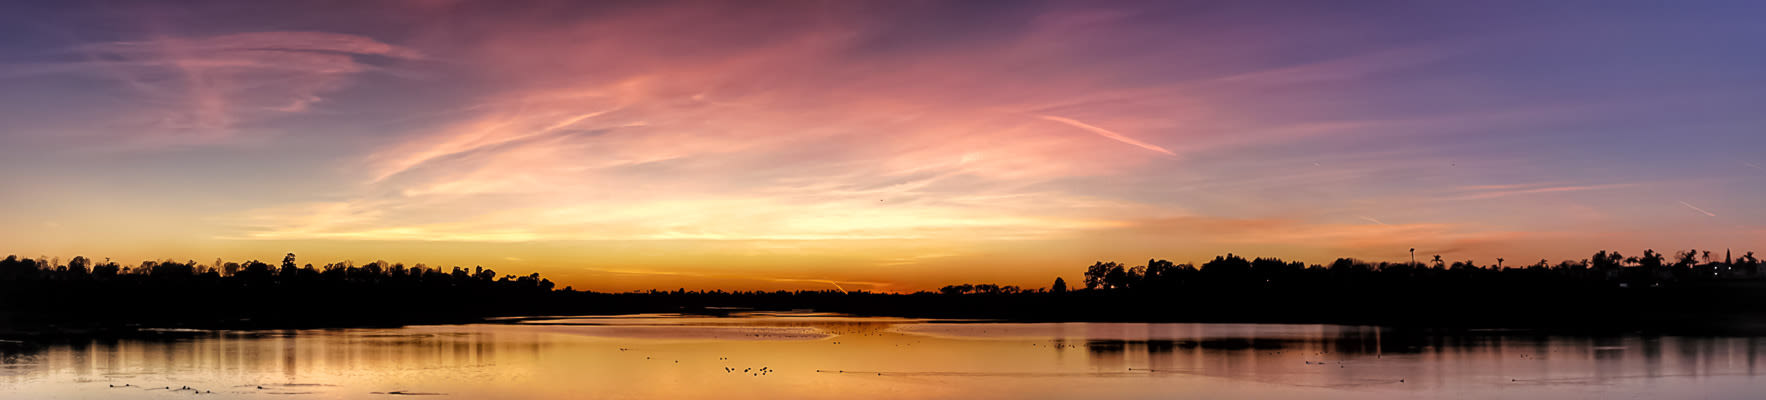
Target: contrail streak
[[1696, 208], [1107, 133], [827, 281]]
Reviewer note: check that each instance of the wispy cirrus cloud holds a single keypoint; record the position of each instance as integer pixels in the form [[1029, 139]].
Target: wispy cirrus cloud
[[202, 89], [1481, 192]]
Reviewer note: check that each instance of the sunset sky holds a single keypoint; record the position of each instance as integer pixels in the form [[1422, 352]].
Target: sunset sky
[[890, 145]]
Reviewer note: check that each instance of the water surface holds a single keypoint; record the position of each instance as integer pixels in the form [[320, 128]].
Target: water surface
[[810, 355]]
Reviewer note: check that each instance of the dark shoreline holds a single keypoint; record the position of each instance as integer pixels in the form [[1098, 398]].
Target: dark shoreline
[[1719, 309]]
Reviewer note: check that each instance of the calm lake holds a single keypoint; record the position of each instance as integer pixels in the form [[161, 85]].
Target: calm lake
[[808, 355]]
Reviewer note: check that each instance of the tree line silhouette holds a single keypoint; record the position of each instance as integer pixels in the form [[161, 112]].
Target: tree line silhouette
[[1686, 291], [82, 293], [1602, 268], [1233, 271], [258, 273]]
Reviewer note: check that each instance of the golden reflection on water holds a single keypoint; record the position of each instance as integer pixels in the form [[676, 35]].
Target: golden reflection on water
[[766, 356]]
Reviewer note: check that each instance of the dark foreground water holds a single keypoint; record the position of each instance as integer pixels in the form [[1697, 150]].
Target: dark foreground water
[[769, 356]]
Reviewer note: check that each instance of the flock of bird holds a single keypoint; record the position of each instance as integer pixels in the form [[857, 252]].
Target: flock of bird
[[167, 388], [259, 387], [762, 371], [194, 390]]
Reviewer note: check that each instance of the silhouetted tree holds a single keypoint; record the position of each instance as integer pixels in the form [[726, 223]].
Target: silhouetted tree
[[1096, 274], [77, 268], [1748, 264], [288, 270], [171, 270], [106, 271], [1060, 286], [1651, 260], [1228, 267], [1118, 278], [957, 289], [1686, 259], [1605, 261], [13, 268], [257, 271]]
